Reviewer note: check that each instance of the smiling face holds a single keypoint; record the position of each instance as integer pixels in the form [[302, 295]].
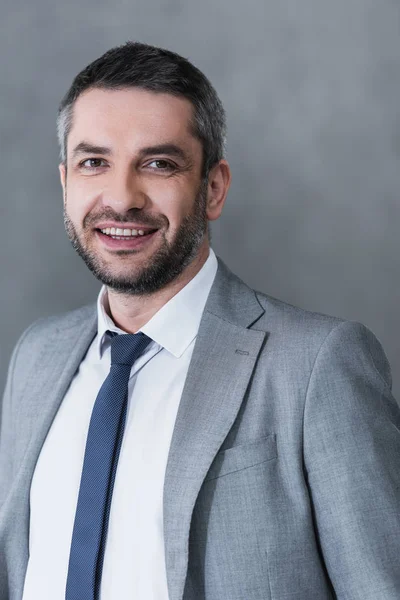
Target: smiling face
[[133, 163]]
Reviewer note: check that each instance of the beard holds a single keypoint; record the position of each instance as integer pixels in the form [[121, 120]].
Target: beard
[[166, 264]]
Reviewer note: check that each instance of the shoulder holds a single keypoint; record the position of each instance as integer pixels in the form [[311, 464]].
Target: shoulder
[[36, 335], [309, 336], [284, 319], [45, 325], [295, 336]]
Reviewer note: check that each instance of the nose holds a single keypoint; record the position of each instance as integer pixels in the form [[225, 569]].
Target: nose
[[124, 191]]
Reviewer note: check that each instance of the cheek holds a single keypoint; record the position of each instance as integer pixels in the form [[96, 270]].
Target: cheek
[[175, 202], [80, 200]]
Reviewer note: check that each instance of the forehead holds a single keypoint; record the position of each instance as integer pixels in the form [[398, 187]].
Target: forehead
[[131, 116]]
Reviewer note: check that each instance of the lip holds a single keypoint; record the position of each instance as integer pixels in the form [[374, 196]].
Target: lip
[[109, 224], [134, 243]]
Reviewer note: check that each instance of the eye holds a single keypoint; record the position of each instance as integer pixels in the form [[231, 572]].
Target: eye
[[161, 165], [94, 163]]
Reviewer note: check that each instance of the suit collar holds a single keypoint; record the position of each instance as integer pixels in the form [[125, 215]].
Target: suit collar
[[233, 300]]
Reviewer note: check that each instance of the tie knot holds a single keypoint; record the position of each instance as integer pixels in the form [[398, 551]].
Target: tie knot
[[126, 348]]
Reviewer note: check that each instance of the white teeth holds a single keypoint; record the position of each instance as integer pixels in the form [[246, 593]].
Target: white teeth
[[122, 232]]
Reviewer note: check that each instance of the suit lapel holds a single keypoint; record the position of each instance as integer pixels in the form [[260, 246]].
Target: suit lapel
[[223, 360], [58, 362]]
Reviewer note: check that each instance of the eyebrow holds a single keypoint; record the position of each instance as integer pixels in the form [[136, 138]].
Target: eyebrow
[[87, 148], [168, 149]]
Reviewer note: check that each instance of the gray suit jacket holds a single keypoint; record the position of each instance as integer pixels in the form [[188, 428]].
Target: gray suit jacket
[[283, 479]]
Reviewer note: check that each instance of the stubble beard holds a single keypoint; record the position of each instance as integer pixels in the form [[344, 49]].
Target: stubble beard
[[165, 265]]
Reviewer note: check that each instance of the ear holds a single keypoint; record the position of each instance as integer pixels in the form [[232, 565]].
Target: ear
[[63, 177], [219, 181]]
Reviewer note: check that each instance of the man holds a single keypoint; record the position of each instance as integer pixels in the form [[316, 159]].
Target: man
[[245, 449]]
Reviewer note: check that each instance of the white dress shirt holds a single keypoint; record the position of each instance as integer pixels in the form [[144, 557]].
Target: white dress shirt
[[134, 562]]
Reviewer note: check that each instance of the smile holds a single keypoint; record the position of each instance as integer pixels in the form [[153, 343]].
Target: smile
[[124, 239], [119, 234]]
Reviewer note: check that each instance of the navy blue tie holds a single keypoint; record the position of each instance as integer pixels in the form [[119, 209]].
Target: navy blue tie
[[99, 466]]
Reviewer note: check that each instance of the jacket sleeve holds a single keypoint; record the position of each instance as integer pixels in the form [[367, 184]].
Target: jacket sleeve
[[352, 464]]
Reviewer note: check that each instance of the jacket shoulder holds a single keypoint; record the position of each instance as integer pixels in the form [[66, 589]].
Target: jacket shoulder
[[282, 315], [39, 331], [63, 320], [299, 332]]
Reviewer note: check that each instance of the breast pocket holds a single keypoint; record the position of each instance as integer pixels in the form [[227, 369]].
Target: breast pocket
[[243, 456]]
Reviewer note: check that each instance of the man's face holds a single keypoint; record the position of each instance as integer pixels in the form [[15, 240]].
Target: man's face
[[133, 163]]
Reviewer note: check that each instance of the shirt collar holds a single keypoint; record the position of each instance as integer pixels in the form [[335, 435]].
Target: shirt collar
[[175, 325]]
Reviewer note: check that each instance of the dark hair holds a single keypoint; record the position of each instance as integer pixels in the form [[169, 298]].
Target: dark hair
[[158, 70]]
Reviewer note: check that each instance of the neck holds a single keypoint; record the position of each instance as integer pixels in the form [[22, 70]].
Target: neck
[[130, 313]]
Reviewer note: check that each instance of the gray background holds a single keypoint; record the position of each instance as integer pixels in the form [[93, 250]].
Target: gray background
[[312, 93]]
